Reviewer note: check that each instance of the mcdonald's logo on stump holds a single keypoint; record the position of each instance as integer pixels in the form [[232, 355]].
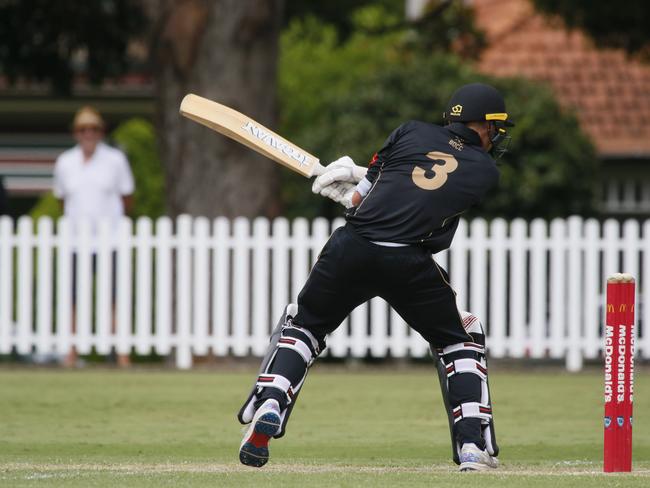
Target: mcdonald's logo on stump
[[619, 373]]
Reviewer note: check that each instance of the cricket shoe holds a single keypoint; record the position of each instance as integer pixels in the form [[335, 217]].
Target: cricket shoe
[[254, 448], [474, 459]]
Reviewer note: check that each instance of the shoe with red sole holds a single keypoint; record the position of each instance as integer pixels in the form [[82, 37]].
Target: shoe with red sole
[[254, 449]]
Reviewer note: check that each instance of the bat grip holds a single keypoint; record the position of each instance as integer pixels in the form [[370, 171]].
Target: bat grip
[[319, 169]]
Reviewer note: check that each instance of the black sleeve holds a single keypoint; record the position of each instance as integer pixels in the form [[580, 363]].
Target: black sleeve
[[380, 156], [490, 183]]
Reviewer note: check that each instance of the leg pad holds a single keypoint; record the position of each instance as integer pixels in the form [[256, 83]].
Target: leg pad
[[292, 350], [463, 359]]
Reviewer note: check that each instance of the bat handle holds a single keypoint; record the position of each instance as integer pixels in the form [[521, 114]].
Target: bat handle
[[319, 169]]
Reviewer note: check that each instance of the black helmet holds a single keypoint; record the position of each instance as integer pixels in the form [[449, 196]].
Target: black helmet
[[474, 102], [479, 102]]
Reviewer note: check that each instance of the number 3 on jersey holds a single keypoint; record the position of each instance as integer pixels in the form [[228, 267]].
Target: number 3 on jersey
[[440, 171]]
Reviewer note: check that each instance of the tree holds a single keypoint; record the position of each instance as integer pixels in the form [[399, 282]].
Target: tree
[[337, 13], [621, 26], [442, 25], [225, 50], [50, 41]]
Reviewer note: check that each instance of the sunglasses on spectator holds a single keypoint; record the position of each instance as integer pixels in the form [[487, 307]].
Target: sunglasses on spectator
[[88, 128]]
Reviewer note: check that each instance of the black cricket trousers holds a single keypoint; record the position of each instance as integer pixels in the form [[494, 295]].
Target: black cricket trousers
[[351, 270]]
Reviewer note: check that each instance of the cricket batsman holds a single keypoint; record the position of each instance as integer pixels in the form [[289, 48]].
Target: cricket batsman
[[402, 209]]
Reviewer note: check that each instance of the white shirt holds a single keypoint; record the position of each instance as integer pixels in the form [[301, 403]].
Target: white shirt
[[93, 190]]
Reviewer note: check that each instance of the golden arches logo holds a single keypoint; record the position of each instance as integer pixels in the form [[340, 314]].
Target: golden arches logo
[[622, 307]]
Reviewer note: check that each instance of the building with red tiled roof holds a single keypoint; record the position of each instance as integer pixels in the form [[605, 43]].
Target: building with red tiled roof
[[609, 91]]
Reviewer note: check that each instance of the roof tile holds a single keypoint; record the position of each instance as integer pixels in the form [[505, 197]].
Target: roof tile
[[609, 91]]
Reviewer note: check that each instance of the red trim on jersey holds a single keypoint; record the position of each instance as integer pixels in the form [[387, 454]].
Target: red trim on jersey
[[373, 160]]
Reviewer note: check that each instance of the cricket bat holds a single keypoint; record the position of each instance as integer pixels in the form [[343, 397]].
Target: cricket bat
[[246, 131]]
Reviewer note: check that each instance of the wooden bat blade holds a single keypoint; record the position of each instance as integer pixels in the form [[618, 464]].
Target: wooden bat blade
[[247, 131]]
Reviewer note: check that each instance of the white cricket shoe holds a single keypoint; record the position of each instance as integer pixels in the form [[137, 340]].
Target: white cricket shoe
[[474, 459], [254, 448]]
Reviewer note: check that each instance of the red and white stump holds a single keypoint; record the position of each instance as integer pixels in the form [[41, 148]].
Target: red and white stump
[[619, 373]]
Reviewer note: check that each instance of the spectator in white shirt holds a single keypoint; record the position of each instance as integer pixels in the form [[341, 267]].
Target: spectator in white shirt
[[93, 182]]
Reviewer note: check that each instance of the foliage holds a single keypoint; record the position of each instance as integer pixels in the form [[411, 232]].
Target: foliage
[[338, 14], [137, 138], [41, 39], [346, 98], [624, 26], [551, 169], [47, 206], [452, 28], [314, 68], [443, 25]]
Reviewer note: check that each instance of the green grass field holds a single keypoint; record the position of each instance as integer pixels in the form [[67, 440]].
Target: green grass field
[[101, 428]]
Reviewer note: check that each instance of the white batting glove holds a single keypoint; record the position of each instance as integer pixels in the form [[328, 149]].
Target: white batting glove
[[342, 170], [340, 191]]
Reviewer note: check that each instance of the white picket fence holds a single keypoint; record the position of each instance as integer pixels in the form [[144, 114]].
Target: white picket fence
[[194, 287]]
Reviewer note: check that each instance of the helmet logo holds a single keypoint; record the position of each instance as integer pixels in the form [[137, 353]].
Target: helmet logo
[[456, 110]]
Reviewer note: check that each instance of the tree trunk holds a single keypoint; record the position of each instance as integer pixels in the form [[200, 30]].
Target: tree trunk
[[224, 50]]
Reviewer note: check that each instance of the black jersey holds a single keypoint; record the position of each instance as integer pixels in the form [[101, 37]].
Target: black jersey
[[422, 179]]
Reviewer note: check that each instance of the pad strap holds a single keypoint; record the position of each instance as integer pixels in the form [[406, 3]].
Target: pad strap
[[297, 345], [462, 346], [466, 365], [276, 381], [472, 409], [315, 345]]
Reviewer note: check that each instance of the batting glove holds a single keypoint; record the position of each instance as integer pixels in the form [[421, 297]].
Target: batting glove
[[342, 170], [340, 191]]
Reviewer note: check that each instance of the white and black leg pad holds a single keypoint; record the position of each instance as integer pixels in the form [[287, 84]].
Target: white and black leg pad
[[288, 337], [467, 358]]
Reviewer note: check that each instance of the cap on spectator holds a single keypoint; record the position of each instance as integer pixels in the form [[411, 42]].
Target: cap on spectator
[[88, 116]]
